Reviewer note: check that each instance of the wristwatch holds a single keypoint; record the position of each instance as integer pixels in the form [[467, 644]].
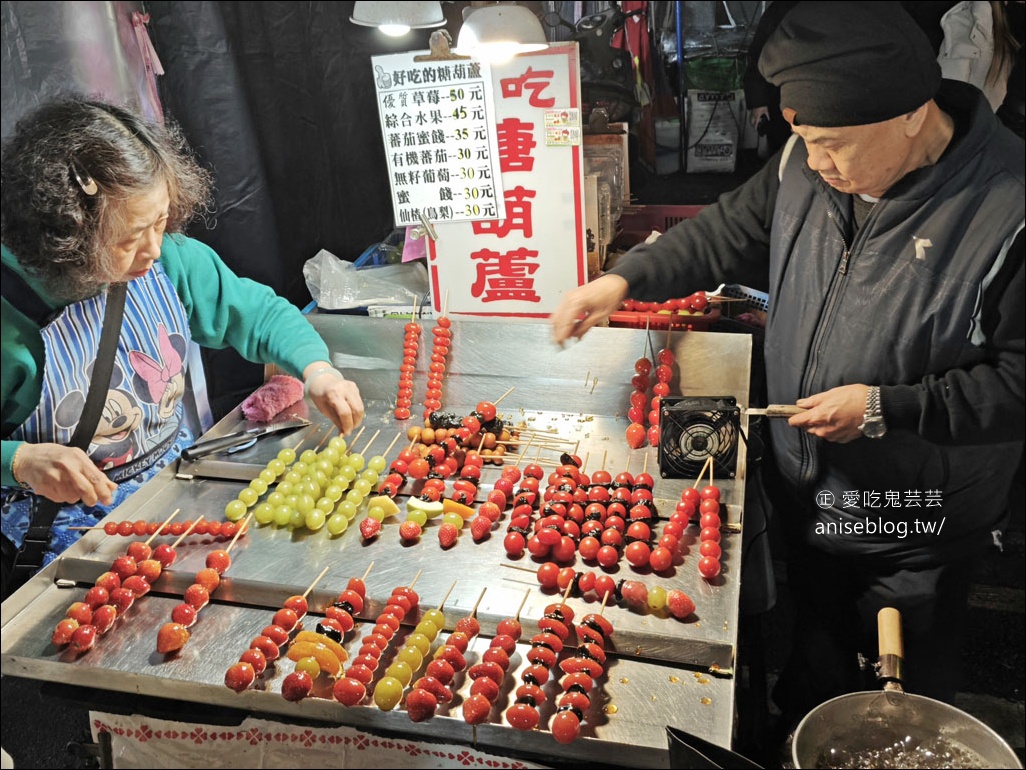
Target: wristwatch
[[873, 425]]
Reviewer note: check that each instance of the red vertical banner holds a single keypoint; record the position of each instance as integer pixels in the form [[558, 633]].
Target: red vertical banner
[[521, 265]]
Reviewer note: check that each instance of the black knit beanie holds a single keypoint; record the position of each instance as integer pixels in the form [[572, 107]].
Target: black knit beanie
[[850, 63]]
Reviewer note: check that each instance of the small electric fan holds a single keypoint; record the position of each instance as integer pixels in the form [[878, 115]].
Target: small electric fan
[[693, 429]]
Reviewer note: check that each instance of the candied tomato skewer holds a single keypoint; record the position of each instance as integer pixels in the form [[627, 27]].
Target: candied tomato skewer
[[580, 672]]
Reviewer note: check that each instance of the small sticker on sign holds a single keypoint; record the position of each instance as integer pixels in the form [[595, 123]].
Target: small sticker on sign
[[564, 117], [556, 136]]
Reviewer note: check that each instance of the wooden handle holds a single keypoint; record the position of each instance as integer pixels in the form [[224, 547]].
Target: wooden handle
[[888, 626], [777, 410]]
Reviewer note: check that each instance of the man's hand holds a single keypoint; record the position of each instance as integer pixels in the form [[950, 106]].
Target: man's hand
[[63, 474], [337, 398], [756, 114], [834, 415], [586, 306]]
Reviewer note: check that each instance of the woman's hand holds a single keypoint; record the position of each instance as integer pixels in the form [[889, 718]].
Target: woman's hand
[[62, 474], [337, 398], [834, 415], [586, 306]]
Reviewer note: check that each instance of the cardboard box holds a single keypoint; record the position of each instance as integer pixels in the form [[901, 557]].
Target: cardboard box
[[714, 127]]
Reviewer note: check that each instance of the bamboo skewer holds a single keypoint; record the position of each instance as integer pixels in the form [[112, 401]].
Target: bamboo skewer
[[242, 528], [369, 568], [708, 463], [187, 532], [308, 434], [415, 578], [496, 401], [389, 447], [349, 448], [446, 597], [522, 603], [161, 527], [317, 580], [473, 612], [517, 566], [376, 434], [521, 457]]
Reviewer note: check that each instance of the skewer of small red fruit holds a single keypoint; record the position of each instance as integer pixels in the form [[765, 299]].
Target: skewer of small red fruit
[[266, 647], [580, 672], [351, 689], [636, 433], [411, 341], [442, 333], [546, 647], [709, 522], [108, 599], [485, 690], [320, 651], [661, 388]]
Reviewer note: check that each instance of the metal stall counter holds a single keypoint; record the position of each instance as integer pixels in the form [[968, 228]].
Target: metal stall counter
[[661, 671]]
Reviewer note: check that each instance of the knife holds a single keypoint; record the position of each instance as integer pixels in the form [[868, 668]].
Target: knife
[[218, 469], [203, 448], [775, 410]]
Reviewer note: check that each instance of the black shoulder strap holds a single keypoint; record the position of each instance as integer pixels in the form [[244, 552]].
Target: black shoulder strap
[[16, 290], [30, 556]]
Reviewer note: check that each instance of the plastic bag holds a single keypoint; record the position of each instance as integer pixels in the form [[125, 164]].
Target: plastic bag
[[336, 284]]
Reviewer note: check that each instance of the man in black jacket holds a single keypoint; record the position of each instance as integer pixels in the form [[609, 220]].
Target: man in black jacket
[[889, 233]]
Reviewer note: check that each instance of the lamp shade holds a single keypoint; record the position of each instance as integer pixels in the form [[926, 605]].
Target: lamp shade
[[398, 18], [499, 31]]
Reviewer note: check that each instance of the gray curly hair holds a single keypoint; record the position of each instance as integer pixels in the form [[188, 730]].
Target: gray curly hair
[[61, 228]]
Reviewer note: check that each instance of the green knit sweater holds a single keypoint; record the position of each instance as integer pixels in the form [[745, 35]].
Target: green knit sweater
[[223, 309]]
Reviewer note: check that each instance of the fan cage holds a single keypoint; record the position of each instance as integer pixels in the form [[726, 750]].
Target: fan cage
[[693, 429]]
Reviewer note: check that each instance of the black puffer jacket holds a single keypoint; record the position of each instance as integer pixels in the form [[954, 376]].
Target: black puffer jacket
[[928, 304]]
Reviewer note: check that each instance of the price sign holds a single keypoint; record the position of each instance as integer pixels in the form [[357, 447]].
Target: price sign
[[437, 119]]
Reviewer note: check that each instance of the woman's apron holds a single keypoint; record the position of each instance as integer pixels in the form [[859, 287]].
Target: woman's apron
[[141, 428]]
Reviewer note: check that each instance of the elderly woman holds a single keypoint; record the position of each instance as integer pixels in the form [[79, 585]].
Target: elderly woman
[[93, 197]]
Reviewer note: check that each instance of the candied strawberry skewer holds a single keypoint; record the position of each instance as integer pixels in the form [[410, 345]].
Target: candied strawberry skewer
[[172, 636], [351, 689], [108, 598], [581, 670]]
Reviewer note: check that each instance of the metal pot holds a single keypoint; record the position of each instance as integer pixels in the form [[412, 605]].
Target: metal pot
[[893, 728]]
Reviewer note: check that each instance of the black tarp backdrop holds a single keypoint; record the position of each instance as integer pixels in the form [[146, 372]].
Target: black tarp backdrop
[[278, 98]]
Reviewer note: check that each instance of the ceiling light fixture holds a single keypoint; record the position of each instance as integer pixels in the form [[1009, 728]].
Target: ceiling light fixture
[[396, 19], [498, 31]]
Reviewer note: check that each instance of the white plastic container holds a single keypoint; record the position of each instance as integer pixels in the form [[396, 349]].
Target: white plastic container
[[667, 136]]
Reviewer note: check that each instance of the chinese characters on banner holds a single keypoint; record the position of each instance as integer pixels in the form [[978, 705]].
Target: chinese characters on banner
[[520, 265], [436, 118]]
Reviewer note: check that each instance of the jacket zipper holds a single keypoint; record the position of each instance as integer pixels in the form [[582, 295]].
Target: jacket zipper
[[807, 469]]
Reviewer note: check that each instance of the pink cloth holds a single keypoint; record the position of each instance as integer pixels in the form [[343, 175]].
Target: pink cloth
[[270, 398]]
